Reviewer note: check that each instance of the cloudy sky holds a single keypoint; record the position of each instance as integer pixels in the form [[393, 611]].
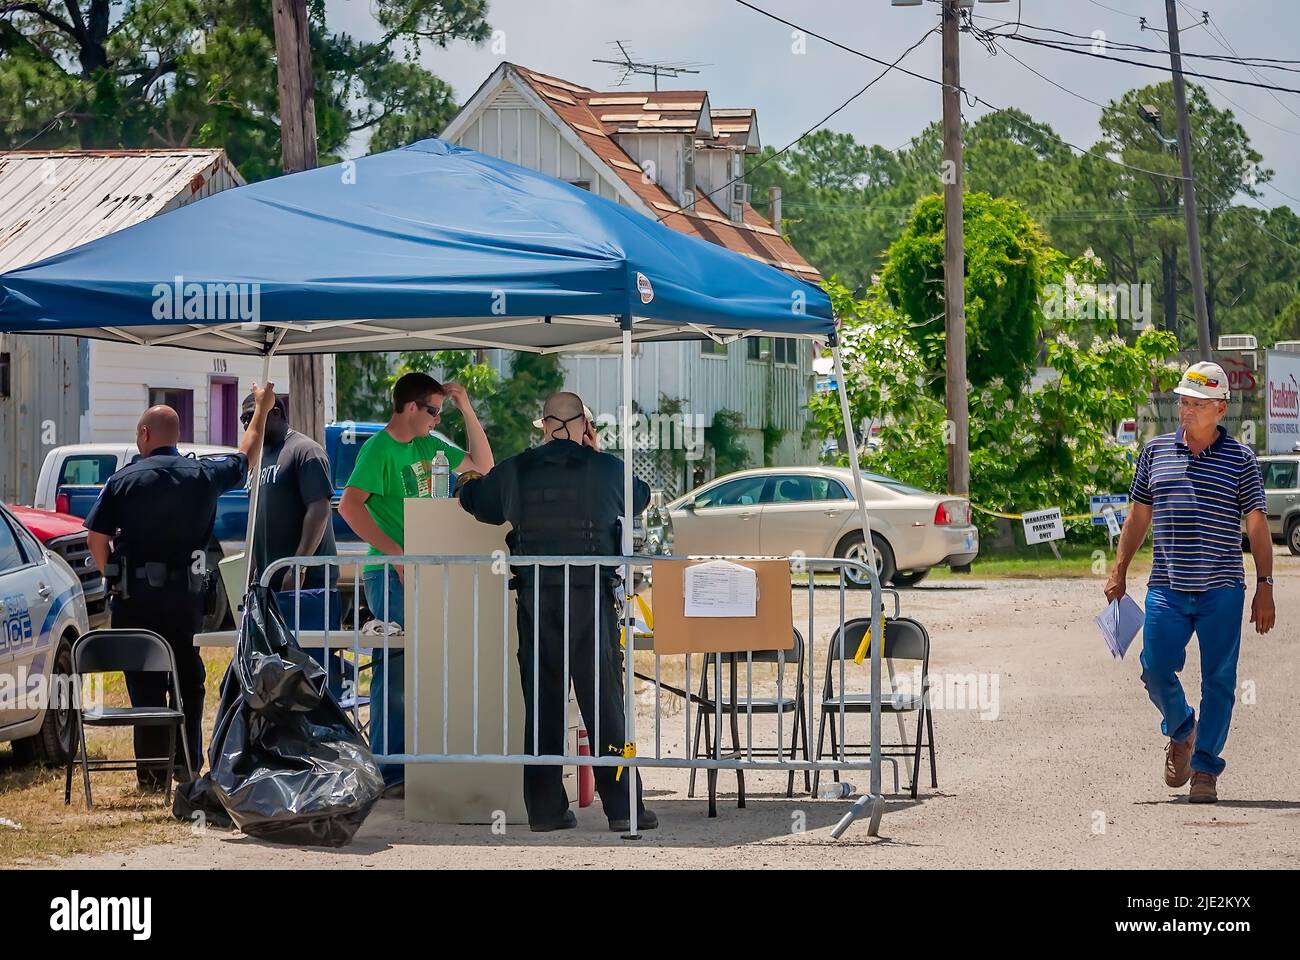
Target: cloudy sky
[[753, 61]]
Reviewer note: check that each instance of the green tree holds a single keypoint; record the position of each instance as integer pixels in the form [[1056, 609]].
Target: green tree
[[480, 380], [1030, 448], [723, 434], [201, 73], [362, 386], [1005, 258], [512, 408]]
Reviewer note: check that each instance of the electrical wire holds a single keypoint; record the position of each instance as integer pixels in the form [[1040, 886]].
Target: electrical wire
[[820, 123], [978, 99], [1053, 45]]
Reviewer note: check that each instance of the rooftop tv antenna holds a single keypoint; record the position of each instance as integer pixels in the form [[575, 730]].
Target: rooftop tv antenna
[[628, 66]]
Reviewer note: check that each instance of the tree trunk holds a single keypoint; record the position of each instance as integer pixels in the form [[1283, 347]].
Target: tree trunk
[[298, 152]]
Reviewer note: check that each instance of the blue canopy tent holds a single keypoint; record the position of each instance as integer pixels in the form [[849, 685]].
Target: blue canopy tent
[[428, 247]]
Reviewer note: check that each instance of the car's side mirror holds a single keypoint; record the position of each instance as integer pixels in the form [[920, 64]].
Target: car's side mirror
[[689, 505]]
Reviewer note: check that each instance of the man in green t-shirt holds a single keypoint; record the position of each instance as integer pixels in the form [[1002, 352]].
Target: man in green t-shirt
[[392, 465]]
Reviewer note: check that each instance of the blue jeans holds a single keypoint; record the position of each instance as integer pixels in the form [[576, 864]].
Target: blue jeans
[[1171, 617], [387, 680]]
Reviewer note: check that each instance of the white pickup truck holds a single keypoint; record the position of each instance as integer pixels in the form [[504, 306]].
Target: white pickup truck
[[72, 476]]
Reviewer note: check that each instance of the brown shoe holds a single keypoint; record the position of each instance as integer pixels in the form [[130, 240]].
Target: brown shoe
[[1178, 760], [1203, 788]]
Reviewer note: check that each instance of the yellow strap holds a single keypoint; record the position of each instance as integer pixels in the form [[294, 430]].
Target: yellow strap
[[866, 639], [645, 611], [1021, 516], [629, 750]]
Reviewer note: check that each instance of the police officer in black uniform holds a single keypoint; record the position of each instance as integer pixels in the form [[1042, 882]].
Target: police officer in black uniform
[[565, 498], [149, 532]]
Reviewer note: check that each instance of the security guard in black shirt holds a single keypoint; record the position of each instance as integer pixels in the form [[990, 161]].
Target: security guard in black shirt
[[565, 498], [149, 531]]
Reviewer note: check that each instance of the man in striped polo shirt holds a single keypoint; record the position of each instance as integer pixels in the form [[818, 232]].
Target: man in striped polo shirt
[[1196, 484]]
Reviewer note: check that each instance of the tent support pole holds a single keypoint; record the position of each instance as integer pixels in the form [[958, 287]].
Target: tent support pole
[[874, 798], [629, 644], [255, 482]]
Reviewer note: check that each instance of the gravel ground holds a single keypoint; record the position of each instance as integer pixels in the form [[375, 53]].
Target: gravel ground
[[1062, 768]]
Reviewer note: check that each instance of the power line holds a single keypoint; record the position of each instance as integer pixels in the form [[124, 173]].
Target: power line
[[1263, 229], [967, 93], [1122, 13], [1251, 113], [1265, 183], [880, 76], [1079, 40], [1053, 45], [1047, 78], [1223, 41]]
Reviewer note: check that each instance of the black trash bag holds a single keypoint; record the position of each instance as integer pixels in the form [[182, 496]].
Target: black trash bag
[[287, 762]]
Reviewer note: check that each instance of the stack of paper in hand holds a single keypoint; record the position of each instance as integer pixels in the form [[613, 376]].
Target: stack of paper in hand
[[1119, 624]]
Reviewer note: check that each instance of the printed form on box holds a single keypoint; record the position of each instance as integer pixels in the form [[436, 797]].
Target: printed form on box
[[720, 588]]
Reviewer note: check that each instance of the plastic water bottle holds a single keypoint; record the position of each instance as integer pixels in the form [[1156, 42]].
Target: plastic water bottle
[[440, 481], [654, 526], [837, 791]]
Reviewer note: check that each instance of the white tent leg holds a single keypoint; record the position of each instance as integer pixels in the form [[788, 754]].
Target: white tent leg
[[877, 610], [629, 698], [254, 485]]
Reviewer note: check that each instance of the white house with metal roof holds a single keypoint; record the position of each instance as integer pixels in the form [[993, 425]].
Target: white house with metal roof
[[672, 156], [56, 390]]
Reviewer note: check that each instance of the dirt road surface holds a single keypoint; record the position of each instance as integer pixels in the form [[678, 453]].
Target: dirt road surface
[[1058, 765]]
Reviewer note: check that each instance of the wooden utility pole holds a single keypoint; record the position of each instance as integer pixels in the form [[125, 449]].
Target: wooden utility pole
[[957, 432], [298, 152], [1189, 188]]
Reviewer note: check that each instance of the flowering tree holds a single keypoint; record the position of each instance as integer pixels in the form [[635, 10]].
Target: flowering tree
[[1050, 443]]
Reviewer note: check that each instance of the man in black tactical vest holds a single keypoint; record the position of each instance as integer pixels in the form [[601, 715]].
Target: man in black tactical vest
[[565, 498], [149, 532]]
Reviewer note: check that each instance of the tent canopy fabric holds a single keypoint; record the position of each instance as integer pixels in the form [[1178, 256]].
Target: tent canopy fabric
[[428, 247]]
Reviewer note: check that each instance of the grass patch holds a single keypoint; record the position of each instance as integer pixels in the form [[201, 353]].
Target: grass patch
[[1038, 563], [123, 818]]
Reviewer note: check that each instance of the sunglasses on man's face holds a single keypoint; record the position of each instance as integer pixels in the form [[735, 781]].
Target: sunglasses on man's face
[[247, 418], [432, 411]]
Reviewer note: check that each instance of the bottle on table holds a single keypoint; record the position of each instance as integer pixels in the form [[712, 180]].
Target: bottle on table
[[440, 482]]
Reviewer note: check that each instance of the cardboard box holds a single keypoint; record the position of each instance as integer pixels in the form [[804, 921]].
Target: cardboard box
[[771, 629]]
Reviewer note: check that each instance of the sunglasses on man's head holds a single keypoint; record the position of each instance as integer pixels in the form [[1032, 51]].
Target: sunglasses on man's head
[[432, 411]]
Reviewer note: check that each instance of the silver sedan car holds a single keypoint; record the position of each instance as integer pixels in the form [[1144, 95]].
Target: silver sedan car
[[780, 510]]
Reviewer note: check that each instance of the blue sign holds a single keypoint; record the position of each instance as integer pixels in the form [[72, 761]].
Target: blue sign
[[1098, 504]]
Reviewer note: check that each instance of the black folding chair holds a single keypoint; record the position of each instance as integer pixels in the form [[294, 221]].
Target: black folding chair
[[108, 651], [707, 708], [905, 639]]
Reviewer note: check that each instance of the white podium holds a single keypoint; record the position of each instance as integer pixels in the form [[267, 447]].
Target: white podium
[[463, 792]]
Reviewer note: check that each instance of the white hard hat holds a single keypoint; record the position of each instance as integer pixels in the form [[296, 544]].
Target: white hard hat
[[1204, 380]]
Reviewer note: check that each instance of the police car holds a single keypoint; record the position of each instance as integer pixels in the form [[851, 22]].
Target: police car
[[42, 611]]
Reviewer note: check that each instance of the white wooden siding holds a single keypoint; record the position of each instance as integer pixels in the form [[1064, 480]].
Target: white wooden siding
[[665, 154], [508, 127], [124, 372]]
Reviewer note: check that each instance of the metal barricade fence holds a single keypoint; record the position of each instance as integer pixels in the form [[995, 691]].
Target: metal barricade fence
[[381, 646]]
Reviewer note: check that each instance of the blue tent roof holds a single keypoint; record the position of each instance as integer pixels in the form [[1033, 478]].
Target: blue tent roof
[[431, 246]]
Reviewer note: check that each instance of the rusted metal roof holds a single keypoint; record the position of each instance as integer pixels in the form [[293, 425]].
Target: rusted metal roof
[[53, 200], [598, 118], [735, 128]]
